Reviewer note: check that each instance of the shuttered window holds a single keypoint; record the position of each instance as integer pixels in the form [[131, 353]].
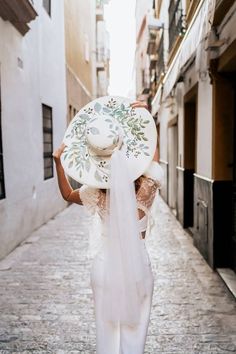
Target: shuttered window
[[47, 141]]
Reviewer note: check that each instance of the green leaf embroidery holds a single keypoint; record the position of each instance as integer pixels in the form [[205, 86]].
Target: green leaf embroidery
[[106, 110], [94, 130], [87, 165], [84, 116], [70, 164], [97, 176], [97, 107]]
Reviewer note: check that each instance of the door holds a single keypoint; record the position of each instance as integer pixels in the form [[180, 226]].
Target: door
[[233, 238], [190, 141], [173, 161]]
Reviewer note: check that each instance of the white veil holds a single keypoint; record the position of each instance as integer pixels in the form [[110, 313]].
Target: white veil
[[125, 275]]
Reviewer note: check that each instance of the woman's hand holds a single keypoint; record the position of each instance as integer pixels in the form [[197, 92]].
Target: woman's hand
[[57, 153], [66, 190], [139, 104]]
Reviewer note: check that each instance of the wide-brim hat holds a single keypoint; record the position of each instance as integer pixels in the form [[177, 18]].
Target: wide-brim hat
[[103, 125]]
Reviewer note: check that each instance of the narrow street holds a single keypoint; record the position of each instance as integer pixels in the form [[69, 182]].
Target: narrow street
[[47, 306]]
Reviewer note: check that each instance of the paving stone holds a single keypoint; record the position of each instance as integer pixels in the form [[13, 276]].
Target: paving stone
[[47, 306]]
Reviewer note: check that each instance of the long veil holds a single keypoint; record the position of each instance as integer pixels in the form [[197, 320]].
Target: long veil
[[125, 269]]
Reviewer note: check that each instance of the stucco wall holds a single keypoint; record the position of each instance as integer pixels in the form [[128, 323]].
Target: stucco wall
[[204, 129], [80, 31], [30, 201]]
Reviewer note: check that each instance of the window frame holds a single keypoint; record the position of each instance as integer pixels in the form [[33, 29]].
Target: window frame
[[48, 8]]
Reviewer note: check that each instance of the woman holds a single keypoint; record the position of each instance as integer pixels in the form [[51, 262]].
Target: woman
[[122, 312]]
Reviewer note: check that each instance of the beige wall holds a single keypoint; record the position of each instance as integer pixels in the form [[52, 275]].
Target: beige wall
[[143, 8], [80, 43]]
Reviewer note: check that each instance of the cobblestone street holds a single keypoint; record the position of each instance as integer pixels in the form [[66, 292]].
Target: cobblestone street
[[47, 306]]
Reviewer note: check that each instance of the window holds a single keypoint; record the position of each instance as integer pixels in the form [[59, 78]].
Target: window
[[176, 21], [2, 185], [47, 141], [47, 6], [70, 112]]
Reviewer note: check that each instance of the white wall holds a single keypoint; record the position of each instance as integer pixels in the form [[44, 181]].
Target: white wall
[[204, 129], [30, 201]]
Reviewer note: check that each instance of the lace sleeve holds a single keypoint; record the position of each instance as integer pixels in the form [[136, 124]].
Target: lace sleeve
[[146, 193], [93, 199], [101, 203], [90, 198]]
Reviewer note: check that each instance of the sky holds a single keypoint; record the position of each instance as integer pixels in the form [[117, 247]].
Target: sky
[[120, 22]]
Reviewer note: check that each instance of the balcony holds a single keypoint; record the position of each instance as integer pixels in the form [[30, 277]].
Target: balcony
[[176, 22], [160, 65], [151, 47], [154, 26], [19, 13], [100, 9], [99, 14]]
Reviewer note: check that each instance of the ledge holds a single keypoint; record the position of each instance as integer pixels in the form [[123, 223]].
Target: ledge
[[229, 278], [19, 13]]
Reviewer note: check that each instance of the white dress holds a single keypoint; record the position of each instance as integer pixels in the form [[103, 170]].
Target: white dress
[[119, 339]]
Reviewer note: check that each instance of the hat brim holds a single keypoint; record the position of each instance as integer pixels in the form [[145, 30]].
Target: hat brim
[[139, 141]]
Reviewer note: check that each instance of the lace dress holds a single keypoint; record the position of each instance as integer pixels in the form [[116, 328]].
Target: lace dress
[[120, 338]]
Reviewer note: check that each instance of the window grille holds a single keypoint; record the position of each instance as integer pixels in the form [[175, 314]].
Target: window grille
[[47, 141]]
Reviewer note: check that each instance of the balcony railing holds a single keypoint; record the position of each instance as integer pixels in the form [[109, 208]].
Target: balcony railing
[[176, 21], [160, 58], [151, 48]]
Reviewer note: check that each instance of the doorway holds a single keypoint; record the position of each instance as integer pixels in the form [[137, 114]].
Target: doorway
[[233, 235], [190, 159], [224, 159], [173, 162]]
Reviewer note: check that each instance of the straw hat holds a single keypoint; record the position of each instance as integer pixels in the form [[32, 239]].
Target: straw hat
[[103, 125]]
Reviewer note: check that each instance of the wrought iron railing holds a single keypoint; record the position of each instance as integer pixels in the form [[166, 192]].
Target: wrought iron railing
[[160, 58], [176, 21]]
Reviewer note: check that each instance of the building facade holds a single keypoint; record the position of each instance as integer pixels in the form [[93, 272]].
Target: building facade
[[87, 53], [192, 95], [102, 50], [54, 58], [80, 43], [33, 115]]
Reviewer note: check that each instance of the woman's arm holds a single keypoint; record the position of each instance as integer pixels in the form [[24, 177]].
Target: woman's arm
[[139, 104], [66, 190], [156, 155]]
